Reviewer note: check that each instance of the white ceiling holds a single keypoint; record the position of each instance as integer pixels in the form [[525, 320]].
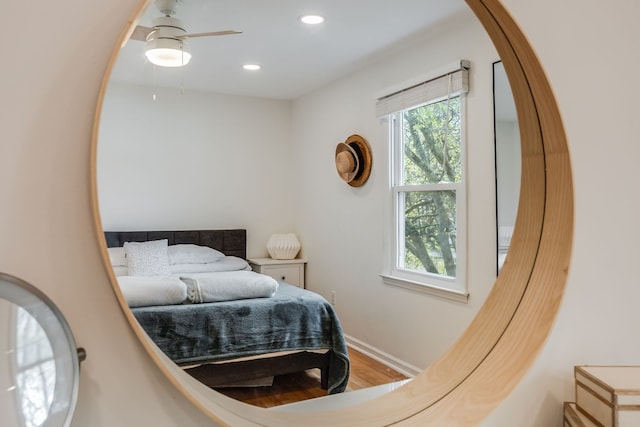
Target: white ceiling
[[295, 58]]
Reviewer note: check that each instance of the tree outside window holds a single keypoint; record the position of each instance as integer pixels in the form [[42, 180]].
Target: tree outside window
[[431, 159], [427, 184]]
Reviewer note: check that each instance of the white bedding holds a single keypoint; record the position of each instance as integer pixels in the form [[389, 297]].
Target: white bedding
[[197, 278], [228, 285], [228, 263], [141, 291]]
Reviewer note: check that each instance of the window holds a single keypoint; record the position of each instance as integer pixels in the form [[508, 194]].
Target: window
[[427, 183]]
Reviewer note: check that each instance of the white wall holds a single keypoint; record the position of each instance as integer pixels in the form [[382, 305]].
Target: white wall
[[48, 99], [343, 228], [49, 94], [508, 165], [194, 161], [581, 45]]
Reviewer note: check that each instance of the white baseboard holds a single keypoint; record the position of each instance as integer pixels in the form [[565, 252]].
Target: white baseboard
[[391, 361]]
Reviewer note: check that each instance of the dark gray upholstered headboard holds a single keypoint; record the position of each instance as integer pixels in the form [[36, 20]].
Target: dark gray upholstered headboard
[[229, 242]]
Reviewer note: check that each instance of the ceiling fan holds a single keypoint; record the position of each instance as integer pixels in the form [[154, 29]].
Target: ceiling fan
[[167, 39]]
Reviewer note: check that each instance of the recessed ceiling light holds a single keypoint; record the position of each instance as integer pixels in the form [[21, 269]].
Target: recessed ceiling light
[[251, 67], [312, 19]]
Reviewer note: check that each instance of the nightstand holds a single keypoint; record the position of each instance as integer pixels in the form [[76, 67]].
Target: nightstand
[[287, 270]]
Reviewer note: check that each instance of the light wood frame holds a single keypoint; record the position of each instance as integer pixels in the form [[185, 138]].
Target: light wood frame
[[485, 364]]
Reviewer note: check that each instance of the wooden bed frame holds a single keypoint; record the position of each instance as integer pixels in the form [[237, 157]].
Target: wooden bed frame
[[232, 243]]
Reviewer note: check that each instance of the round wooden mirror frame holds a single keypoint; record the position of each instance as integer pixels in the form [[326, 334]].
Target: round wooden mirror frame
[[485, 364]]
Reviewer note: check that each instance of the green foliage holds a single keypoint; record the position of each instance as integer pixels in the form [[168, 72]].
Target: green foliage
[[431, 142]]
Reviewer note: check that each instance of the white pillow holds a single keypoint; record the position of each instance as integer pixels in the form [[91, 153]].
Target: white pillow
[[147, 258], [193, 254], [117, 257]]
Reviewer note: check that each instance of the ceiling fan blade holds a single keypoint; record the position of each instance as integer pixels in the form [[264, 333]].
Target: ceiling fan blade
[[212, 33], [140, 33]]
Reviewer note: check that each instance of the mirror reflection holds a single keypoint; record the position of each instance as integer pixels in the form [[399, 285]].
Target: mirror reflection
[[508, 160], [211, 146], [31, 371], [40, 365]]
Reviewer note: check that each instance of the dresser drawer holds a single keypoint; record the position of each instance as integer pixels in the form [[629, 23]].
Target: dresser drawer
[[290, 274]]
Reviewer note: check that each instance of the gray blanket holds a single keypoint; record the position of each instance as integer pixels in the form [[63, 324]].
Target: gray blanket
[[293, 319]]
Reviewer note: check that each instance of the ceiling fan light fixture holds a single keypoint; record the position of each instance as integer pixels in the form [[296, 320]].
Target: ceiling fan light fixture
[[168, 52], [312, 19]]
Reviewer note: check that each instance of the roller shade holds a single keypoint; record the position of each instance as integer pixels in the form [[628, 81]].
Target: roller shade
[[450, 84]]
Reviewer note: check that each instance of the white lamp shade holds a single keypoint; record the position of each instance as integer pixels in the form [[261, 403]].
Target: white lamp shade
[[168, 52], [283, 246]]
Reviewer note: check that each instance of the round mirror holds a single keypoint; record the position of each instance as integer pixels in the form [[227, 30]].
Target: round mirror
[[39, 373], [479, 370], [155, 119]]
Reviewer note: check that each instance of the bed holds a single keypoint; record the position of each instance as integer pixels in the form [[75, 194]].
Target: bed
[[240, 338]]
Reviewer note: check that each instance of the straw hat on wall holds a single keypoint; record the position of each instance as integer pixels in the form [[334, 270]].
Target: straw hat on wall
[[353, 160]]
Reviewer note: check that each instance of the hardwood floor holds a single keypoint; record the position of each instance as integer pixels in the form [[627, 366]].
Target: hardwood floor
[[365, 372]]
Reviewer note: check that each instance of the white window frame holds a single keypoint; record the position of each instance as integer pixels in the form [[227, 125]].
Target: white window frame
[[434, 284]]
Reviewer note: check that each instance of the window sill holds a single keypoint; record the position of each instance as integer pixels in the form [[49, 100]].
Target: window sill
[[426, 289]]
